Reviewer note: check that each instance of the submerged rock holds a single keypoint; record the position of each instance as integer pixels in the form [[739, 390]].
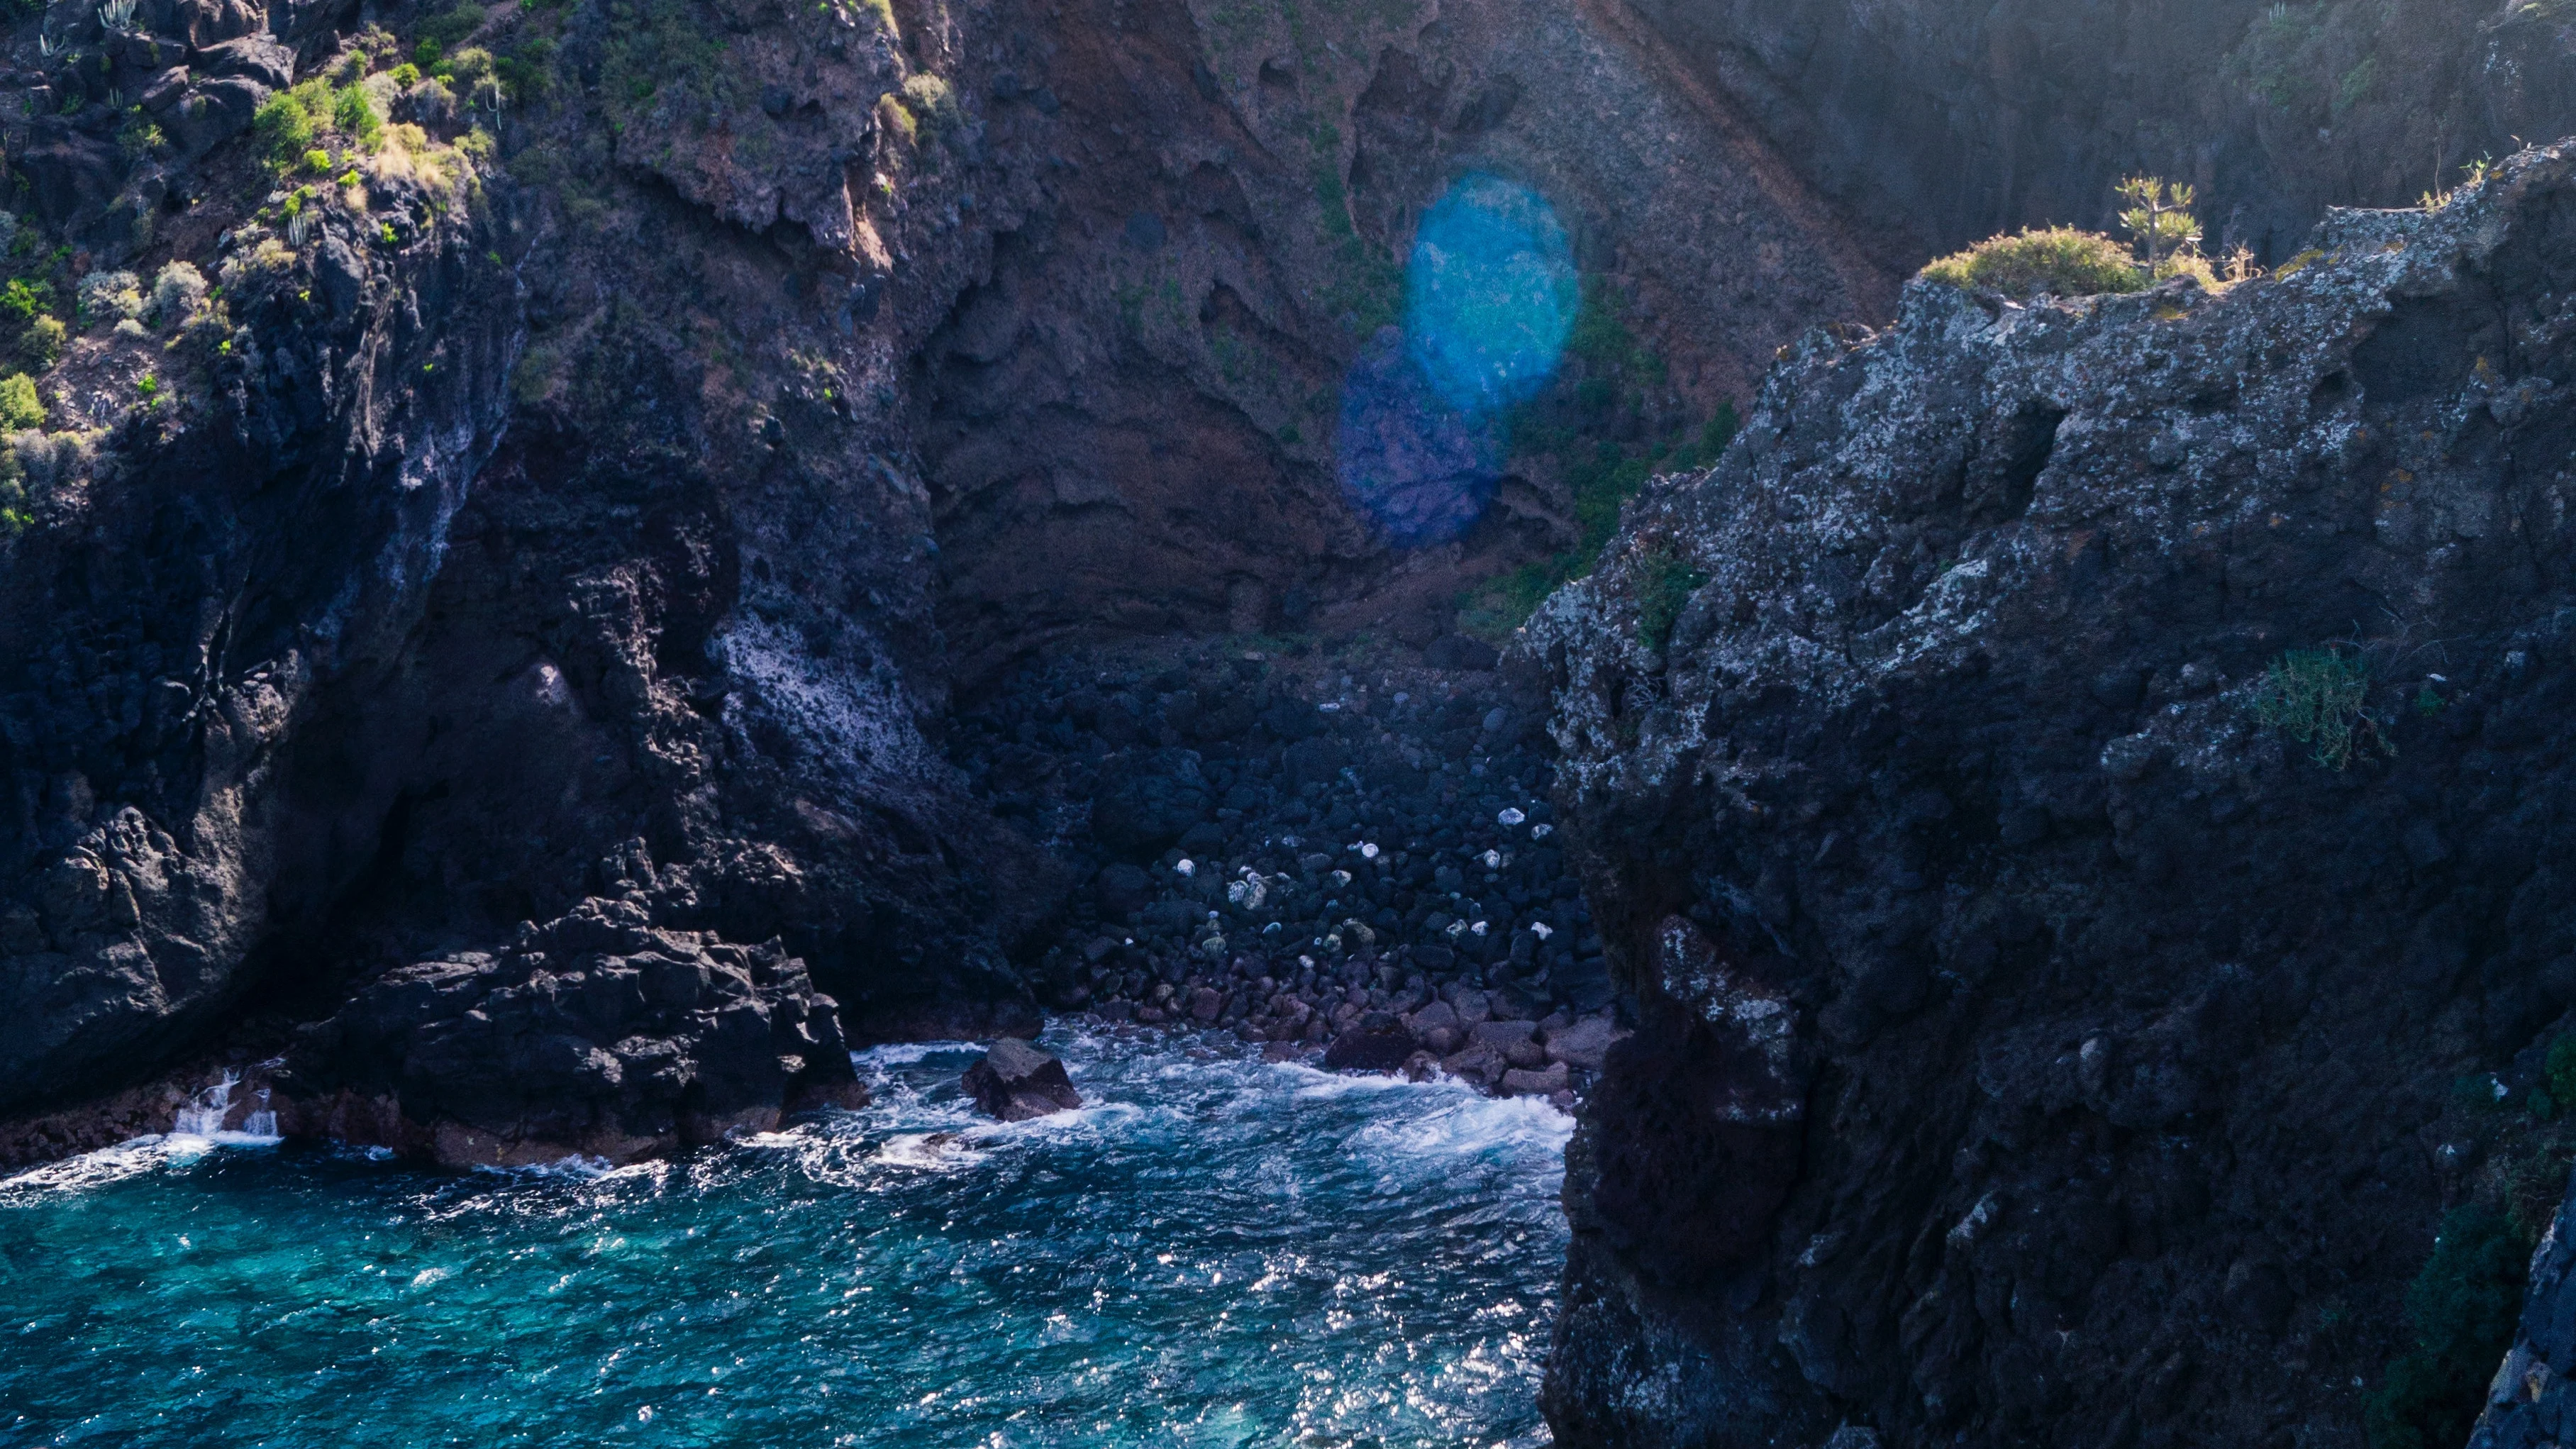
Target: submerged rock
[[1016, 1081]]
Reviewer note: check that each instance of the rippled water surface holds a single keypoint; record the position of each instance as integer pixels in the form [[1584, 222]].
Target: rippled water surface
[[1214, 1252]]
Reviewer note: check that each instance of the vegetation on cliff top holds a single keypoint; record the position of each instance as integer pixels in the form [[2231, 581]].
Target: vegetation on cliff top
[[2064, 261], [2057, 260]]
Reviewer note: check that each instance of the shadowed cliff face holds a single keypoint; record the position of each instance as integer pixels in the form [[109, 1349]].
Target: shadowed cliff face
[[1943, 123], [2121, 1036]]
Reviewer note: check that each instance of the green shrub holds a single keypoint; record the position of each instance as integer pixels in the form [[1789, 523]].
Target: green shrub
[[2315, 696], [138, 137], [354, 115], [106, 296], [2057, 260], [405, 75], [929, 100], [896, 121], [24, 300], [20, 408], [2559, 1077], [660, 48], [528, 73], [2159, 217], [446, 30], [288, 121], [177, 291], [41, 346], [2461, 1308]]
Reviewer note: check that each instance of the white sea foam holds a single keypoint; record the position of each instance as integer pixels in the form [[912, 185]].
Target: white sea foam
[[89, 1170], [928, 1152], [1472, 1124], [577, 1167], [1314, 1084], [131, 1158], [905, 1053]]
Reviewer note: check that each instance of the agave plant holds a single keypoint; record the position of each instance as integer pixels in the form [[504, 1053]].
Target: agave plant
[[117, 16], [48, 46]]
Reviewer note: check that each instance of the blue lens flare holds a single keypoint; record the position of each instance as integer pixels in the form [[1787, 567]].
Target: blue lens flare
[[1490, 295]]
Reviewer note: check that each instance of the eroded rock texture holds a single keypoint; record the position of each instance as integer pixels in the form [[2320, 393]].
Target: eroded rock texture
[[206, 579], [2040, 1044]]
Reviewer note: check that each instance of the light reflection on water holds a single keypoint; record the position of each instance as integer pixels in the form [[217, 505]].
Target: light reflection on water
[[1215, 1251]]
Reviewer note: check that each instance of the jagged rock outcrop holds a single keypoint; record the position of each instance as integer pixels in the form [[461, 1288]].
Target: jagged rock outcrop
[[594, 1034], [2038, 1041], [2529, 1402]]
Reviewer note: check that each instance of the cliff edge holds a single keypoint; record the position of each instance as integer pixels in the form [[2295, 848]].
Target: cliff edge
[[2076, 793]]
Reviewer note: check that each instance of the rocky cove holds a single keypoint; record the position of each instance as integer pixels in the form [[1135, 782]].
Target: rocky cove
[[598, 598], [1352, 860]]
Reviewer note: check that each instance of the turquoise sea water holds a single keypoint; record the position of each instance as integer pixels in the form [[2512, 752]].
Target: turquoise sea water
[[1215, 1251]]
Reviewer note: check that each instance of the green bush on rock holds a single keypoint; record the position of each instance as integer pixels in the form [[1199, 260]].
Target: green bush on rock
[[20, 408], [41, 345], [110, 296], [2057, 261], [2315, 697]]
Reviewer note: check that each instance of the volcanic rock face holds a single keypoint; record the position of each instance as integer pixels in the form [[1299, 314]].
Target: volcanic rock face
[[594, 1034], [2040, 1039], [161, 643]]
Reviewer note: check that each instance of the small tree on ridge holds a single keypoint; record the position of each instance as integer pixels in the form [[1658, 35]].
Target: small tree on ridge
[[2159, 218]]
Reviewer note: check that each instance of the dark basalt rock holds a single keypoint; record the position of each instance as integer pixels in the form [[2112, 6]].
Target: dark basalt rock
[[594, 1034], [1377, 1042], [1015, 1081], [1146, 799], [1925, 739]]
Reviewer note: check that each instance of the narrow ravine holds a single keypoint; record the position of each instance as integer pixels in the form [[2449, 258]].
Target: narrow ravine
[[1214, 1251]]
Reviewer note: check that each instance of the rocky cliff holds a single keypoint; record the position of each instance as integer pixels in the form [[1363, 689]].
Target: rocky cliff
[[483, 461], [500, 506], [2076, 791]]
